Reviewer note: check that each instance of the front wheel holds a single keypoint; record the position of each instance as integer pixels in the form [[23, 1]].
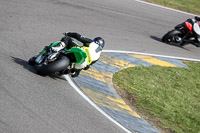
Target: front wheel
[[55, 66], [172, 36], [31, 61]]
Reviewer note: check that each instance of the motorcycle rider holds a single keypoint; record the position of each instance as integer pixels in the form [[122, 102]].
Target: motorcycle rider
[[93, 49], [197, 36]]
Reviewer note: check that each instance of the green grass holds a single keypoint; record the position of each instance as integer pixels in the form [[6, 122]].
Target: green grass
[[191, 6], [167, 93]]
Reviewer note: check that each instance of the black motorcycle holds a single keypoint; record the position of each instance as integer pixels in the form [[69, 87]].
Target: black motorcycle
[[184, 33]]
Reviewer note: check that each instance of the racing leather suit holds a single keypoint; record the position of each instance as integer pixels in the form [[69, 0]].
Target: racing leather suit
[[92, 50], [197, 36]]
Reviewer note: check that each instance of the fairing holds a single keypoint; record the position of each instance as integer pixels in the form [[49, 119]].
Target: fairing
[[188, 26]]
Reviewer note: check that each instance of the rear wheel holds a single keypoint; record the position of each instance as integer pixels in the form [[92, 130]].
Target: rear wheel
[[172, 36], [55, 66]]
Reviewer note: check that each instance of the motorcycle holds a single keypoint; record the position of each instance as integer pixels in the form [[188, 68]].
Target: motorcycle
[[183, 33], [48, 62]]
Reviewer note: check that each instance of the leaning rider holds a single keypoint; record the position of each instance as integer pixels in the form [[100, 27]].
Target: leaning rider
[[196, 35], [93, 49]]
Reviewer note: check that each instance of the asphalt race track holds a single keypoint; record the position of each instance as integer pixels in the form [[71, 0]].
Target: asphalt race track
[[30, 103]]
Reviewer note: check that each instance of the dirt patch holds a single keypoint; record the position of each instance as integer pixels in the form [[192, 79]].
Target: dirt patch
[[130, 100]]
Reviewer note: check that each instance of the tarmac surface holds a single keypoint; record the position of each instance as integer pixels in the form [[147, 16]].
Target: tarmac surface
[[30, 103]]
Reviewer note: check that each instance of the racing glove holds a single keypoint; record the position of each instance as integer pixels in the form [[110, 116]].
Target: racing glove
[[47, 48]]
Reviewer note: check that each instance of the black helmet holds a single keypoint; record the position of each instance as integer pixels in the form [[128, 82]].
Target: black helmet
[[100, 41]]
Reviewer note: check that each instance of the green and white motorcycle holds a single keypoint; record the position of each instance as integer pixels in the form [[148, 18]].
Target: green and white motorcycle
[[48, 62]]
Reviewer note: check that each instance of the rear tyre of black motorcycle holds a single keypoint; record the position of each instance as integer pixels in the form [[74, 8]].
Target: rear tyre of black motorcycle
[[56, 66], [169, 36]]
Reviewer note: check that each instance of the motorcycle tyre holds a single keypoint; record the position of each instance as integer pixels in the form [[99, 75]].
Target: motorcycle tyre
[[169, 35], [31, 61], [55, 66]]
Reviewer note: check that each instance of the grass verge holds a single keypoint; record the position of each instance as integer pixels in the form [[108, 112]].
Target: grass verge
[[191, 6], [166, 93]]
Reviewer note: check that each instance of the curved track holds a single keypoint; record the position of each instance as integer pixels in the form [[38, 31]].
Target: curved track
[[35, 104]]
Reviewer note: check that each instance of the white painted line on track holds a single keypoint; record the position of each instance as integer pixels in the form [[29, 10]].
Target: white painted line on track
[[172, 57], [67, 77], [166, 7]]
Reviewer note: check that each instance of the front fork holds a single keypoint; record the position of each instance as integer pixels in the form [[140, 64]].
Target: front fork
[[39, 59]]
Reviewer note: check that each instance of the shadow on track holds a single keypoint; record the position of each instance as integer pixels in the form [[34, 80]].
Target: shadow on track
[[171, 44], [31, 68], [24, 64]]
